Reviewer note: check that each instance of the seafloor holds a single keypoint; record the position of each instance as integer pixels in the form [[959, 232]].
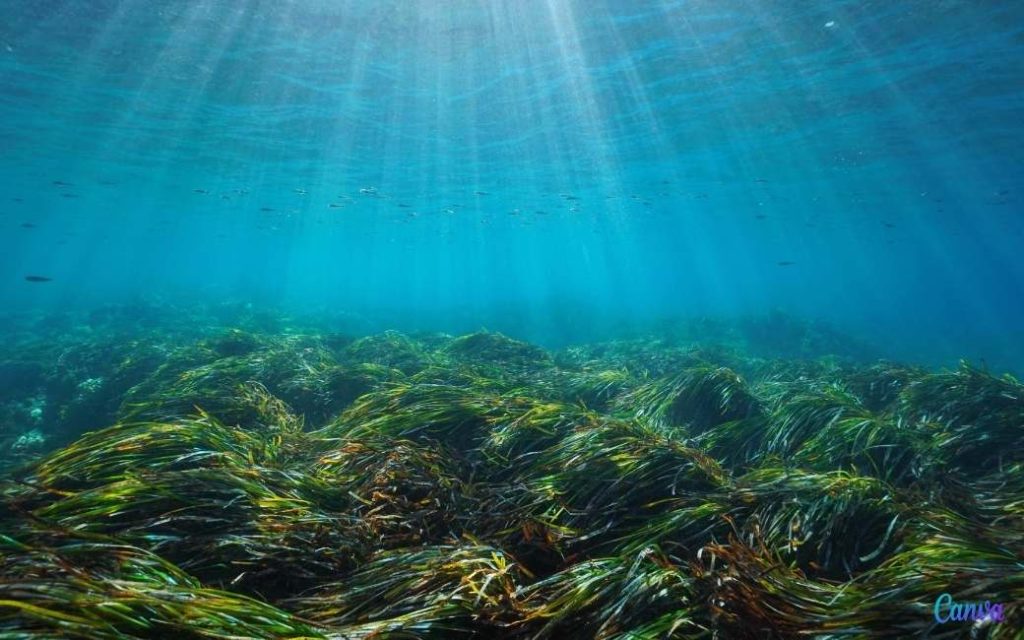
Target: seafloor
[[193, 480]]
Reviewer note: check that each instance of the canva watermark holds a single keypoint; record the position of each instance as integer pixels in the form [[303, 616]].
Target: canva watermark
[[948, 610]]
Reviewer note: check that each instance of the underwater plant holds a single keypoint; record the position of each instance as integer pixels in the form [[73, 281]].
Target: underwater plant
[[266, 485]]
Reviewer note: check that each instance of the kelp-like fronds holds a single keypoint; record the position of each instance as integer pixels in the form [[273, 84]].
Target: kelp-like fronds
[[292, 368], [261, 531], [108, 455], [611, 476], [749, 593], [644, 595], [451, 414], [497, 349], [598, 389], [228, 504], [436, 591], [833, 525], [108, 591], [983, 414], [879, 386], [698, 399], [527, 427], [392, 350], [404, 493], [883, 446], [438, 487], [799, 414], [200, 442]]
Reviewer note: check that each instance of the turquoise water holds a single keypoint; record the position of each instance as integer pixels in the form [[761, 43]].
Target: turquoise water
[[511, 319], [552, 169]]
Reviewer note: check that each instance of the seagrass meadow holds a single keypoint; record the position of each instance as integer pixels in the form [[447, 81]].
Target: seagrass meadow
[[511, 319], [275, 482]]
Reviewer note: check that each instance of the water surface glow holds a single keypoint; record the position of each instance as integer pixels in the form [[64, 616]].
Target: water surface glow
[[474, 159]]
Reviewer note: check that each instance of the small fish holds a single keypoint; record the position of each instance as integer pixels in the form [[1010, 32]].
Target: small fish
[[203, 191], [368, 191], [336, 206], [69, 195], [761, 216], [62, 184], [889, 225], [301, 192], [404, 206], [38, 279], [760, 180], [785, 263], [28, 225], [569, 197], [267, 209], [481, 193]]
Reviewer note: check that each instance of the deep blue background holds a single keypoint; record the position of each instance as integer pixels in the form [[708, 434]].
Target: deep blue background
[[532, 166]]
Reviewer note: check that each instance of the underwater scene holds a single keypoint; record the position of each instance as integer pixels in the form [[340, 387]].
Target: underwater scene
[[511, 319]]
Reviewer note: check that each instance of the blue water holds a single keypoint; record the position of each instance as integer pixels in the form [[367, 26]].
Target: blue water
[[548, 168]]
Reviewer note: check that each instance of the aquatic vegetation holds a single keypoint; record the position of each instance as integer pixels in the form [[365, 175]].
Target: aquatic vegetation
[[264, 485], [494, 348], [698, 398]]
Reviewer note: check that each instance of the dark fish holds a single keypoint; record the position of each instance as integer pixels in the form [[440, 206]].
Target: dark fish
[[761, 216], [203, 191], [38, 279], [28, 225], [404, 206], [62, 184], [785, 263], [481, 193], [17, 200], [335, 206], [889, 225], [761, 180], [69, 195], [569, 197], [268, 209]]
